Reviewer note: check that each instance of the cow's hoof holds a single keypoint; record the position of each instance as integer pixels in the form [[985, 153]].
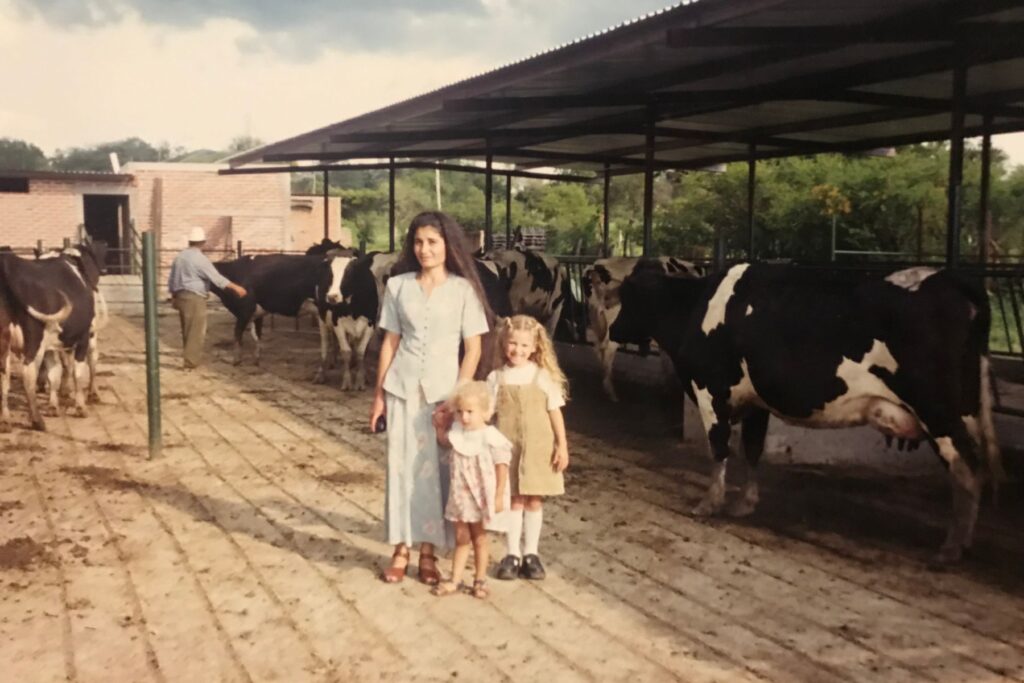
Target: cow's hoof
[[237, 361], [77, 411], [93, 398], [741, 508], [5, 427], [948, 555], [319, 377], [706, 508], [39, 425], [51, 411]]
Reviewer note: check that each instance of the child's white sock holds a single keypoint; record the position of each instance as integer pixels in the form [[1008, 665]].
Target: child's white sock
[[515, 532], [532, 521]]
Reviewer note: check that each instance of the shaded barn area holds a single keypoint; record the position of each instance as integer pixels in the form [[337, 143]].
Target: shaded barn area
[[250, 551]]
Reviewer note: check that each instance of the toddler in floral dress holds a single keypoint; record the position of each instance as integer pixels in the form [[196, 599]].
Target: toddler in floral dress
[[479, 481]]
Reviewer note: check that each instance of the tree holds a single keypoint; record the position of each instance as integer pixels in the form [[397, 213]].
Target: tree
[[98, 158], [19, 155], [242, 143]]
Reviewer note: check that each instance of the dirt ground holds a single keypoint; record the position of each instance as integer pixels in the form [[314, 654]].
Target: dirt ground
[[249, 551]]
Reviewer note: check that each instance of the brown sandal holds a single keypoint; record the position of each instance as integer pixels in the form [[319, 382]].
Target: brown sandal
[[395, 573], [428, 573]]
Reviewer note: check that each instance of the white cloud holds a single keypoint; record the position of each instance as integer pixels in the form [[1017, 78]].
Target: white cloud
[[195, 87]]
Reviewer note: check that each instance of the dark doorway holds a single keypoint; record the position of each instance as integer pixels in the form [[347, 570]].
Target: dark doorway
[[106, 220]]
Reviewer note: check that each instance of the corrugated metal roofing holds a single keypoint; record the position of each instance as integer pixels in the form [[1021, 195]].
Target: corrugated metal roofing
[[708, 79]]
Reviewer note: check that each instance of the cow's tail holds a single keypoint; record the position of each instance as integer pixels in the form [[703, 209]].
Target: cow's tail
[[102, 316], [52, 318], [979, 346]]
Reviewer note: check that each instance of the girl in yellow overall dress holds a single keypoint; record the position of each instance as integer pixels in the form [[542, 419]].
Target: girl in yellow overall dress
[[529, 390]]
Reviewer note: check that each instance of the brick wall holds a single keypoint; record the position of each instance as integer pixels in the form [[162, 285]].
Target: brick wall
[[50, 211], [172, 198], [307, 222]]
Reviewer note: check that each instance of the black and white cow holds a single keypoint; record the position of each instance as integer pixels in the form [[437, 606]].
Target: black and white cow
[[347, 307], [907, 354], [353, 311], [536, 284], [282, 284], [601, 282], [61, 368], [33, 311]]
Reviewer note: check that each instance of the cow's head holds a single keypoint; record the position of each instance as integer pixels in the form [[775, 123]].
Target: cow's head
[[333, 273], [638, 297]]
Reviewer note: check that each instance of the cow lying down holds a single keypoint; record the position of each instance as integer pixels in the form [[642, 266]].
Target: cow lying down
[[907, 354]]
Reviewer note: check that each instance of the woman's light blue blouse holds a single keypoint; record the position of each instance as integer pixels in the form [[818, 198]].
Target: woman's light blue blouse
[[431, 329]]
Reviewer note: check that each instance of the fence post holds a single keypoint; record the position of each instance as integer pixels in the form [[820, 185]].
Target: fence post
[[152, 343], [39, 248]]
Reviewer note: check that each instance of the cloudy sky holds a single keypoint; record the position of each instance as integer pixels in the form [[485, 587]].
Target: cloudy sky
[[197, 73]]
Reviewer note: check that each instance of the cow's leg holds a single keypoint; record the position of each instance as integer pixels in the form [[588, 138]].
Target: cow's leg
[[716, 426], [365, 332], [5, 387], [54, 367], [240, 325], [606, 349], [66, 376], [257, 334], [78, 367], [342, 329], [325, 343], [957, 450], [29, 376], [92, 395], [755, 428]]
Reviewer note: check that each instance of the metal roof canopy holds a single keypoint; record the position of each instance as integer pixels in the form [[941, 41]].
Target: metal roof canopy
[[709, 82], [708, 79]]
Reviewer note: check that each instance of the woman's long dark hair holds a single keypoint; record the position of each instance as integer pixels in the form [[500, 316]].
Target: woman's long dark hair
[[458, 257]]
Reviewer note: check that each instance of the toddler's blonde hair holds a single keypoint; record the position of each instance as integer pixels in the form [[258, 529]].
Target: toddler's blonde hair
[[476, 392], [544, 353]]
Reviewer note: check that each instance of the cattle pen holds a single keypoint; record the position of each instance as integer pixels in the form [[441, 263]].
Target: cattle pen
[[250, 551]]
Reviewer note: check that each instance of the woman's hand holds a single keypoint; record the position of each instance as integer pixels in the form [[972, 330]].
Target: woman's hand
[[378, 409], [560, 458], [442, 417]]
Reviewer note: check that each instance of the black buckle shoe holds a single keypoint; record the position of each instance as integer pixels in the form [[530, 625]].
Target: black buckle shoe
[[508, 568], [532, 568]]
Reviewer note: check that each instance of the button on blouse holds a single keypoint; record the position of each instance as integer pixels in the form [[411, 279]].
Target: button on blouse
[[431, 328]]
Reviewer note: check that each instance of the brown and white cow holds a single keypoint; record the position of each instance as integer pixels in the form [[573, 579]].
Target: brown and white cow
[[601, 282]]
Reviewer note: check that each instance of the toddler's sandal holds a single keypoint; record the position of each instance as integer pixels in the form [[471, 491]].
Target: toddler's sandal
[[479, 589], [445, 588]]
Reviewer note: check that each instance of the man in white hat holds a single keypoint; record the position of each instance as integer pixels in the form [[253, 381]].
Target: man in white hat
[[190, 280]]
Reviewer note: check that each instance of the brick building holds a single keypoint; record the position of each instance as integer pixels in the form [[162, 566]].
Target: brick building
[[49, 206], [167, 198]]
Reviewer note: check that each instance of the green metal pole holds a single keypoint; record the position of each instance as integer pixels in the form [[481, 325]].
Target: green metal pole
[[152, 343]]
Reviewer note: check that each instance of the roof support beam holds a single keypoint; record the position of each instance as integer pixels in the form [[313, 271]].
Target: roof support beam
[[421, 165]]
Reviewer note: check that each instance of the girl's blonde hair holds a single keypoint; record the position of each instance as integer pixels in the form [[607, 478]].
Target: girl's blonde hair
[[477, 392], [544, 353]]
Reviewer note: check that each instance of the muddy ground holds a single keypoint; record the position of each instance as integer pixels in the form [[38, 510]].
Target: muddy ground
[[249, 551]]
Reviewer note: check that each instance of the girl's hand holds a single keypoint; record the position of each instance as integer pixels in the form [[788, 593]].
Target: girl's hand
[[560, 458], [499, 503], [376, 410]]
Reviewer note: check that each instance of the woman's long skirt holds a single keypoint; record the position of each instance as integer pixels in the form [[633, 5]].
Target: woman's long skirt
[[417, 476]]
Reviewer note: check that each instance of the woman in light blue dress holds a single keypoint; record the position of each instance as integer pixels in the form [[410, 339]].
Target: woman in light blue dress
[[432, 302]]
